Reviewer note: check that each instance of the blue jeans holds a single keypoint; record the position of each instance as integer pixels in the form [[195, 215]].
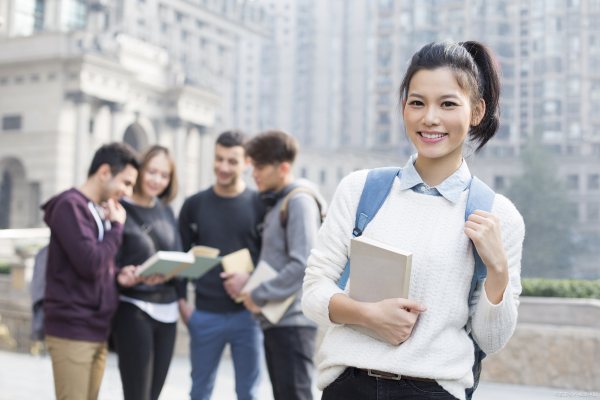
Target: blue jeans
[[209, 333]]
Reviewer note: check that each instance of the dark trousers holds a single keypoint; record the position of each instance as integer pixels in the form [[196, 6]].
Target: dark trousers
[[355, 384], [289, 352], [145, 348]]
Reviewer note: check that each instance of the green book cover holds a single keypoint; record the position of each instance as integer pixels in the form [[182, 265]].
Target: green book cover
[[199, 267], [166, 263]]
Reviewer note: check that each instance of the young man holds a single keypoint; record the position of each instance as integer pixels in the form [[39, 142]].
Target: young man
[[86, 226], [289, 345], [226, 216]]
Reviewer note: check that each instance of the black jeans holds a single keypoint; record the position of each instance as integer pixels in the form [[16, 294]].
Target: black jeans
[[289, 352], [357, 384], [145, 348]]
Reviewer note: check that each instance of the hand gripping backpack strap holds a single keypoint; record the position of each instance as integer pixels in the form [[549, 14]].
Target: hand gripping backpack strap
[[481, 197], [377, 188]]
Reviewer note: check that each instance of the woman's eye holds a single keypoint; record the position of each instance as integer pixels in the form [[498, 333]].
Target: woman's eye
[[449, 104], [416, 103]]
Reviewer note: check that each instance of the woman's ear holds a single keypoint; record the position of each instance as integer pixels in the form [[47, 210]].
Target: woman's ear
[[478, 113]]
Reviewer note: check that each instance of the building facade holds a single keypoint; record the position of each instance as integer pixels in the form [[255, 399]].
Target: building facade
[[76, 74]]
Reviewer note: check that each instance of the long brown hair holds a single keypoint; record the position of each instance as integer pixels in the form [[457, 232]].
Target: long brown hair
[[170, 191]]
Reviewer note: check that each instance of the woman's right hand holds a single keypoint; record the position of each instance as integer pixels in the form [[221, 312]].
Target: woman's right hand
[[392, 319]]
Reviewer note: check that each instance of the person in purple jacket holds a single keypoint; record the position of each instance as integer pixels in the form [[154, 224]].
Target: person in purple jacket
[[86, 226]]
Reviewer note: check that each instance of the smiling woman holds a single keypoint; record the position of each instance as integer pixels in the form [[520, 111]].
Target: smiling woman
[[144, 327], [429, 341]]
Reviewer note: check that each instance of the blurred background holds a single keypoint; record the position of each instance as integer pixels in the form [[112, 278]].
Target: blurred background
[[75, 74]]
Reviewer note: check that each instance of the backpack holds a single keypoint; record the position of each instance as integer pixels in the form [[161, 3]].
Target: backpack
[[36, 288], [283, 211], [377, 187]]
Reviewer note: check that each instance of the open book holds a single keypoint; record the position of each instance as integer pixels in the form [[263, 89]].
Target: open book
[[378, 271], [273, 311], [193, 264]]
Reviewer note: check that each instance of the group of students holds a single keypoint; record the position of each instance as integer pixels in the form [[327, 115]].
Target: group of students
[[103, 230]]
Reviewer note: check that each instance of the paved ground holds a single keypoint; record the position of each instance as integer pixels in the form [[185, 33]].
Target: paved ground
[[25, 377]]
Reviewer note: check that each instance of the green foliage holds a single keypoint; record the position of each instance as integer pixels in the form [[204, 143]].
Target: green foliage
[[4, 268], [540, 196], [573, 288]]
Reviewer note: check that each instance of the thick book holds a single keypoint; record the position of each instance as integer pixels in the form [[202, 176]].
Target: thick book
[[193, 264], [273, 311], [378, 271]]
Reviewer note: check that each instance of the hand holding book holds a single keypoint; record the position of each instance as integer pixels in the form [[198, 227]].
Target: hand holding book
[[380, 280]]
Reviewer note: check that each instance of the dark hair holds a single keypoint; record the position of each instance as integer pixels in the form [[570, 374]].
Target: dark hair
[[272, 147], [231, 138], [170, 191], [117, 155], [477, 73]]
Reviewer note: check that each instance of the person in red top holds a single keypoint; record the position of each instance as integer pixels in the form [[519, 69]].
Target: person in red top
[[86, 226]]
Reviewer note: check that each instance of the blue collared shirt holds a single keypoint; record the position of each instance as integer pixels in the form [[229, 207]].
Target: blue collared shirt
[[450, 188]]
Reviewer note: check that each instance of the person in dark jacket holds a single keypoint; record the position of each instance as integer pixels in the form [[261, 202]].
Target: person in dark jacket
[[226, 216], [145, 325], [86, 226]]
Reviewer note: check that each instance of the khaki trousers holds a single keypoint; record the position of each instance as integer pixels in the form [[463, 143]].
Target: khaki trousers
[[77, 366]]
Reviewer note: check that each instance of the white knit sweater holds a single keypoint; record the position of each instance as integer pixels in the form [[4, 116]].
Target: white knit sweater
[[431, 228]]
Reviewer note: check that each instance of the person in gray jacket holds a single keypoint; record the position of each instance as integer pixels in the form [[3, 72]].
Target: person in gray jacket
[[286, 244]]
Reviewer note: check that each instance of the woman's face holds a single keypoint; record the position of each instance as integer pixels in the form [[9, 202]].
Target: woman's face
[[438, 114], [156, 176]]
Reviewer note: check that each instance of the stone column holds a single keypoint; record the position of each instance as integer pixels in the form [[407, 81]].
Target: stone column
[[115, 112], [82, 149]]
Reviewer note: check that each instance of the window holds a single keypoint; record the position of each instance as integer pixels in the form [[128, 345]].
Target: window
[[11, 123], [573, 182], [593, 212], [303, 172], [593, 182], [323, 177], [76, 11], [499, 183]]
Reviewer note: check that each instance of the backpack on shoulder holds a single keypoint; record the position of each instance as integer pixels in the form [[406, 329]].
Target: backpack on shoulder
[[283, 211], [376, 189], [36, 288]]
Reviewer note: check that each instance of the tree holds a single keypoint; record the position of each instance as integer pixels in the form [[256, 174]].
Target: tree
[[540, 196]]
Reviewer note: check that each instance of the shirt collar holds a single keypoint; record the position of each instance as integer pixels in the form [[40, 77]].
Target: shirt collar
[[451, 188]]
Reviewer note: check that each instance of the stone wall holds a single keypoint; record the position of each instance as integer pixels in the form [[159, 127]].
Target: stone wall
[[556, 344]]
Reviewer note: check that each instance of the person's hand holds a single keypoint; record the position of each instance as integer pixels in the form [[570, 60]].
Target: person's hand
[[155, 279], [249, 303], [393, 319], [483, 228], [233, 282], [115, 211], [127, 276], [185, 310]]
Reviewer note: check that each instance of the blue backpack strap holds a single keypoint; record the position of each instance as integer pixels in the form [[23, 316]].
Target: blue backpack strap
[[377, 188], [481, 197]]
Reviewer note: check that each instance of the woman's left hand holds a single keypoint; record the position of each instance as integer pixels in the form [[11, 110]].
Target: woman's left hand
[[127, 276], [155, 279], [483, 228]]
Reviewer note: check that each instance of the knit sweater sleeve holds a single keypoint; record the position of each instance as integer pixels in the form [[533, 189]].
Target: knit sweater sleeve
[[328, 258], [493, 324]]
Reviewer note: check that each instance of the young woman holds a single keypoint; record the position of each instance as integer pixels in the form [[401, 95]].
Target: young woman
[[144, 327], [450, 93]]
